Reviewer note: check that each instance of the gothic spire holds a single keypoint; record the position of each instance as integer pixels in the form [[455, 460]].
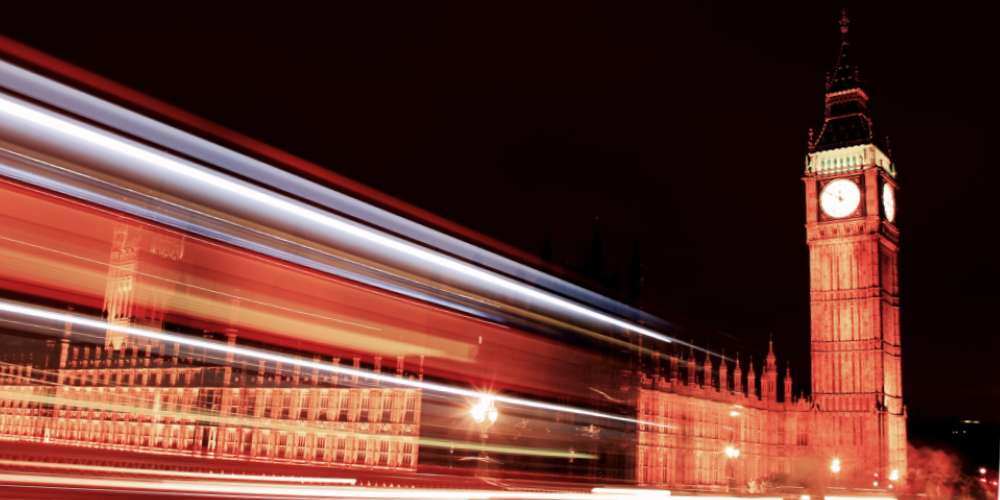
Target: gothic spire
[[723, 372], [846, 120], [738, 375], [844, 75], [787, 392], [771, 360]]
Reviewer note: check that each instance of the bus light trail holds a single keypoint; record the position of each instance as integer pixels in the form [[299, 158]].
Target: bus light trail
[[108, 142], [214, 476], [279, 490]]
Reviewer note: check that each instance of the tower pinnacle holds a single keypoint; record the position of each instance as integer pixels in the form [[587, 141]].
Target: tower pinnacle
[[844, 75], [771, 360], [847, 121]]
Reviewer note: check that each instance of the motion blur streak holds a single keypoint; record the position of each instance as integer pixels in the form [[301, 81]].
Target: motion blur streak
[[77, 103], [348, 492], [71, 271], [180, 474], [36, 312], [635, 492], [829, 497], [57, 124]]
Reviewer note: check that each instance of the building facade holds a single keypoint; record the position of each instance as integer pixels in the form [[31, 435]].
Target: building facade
[[704, 428]]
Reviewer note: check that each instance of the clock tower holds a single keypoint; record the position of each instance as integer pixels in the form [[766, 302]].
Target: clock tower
[[850, 186]]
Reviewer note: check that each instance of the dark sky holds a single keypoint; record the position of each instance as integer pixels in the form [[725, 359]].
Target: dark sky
[[681, 127]]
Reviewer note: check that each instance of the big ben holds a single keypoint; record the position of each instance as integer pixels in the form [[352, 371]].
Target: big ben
[[850, 188]]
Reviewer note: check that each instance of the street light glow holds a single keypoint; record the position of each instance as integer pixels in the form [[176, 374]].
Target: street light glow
[[894, 475], [732, 452], [485, 410], [835, 466]]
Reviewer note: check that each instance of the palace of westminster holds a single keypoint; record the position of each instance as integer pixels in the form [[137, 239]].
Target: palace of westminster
[[718, 422]]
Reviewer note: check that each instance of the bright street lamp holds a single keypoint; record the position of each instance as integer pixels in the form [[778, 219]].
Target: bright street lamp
[[484, 410], [732, 452], [835, 466], [894, 475], [484, 413]]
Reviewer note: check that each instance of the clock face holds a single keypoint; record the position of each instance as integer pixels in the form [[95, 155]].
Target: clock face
[[889, 202], [840, 198]]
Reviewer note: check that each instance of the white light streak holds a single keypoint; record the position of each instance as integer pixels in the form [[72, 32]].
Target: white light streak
[[245, 191], [828, 497], [260, 489], [343, 481], [634, 493]]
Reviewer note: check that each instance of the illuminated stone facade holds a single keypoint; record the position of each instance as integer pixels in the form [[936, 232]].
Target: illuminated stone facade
[[709, 428], [178, 403]]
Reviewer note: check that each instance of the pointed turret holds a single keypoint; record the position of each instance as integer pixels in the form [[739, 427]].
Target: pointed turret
[[751, 379], [769, 380], [738, 376], [724, 373], [786, 394], [706, 379], [771, 364], [691, 367]]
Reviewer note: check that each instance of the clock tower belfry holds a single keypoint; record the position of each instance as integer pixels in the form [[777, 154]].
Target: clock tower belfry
[[850, 186]]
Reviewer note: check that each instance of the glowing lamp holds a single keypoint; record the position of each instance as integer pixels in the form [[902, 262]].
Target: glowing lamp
[[484, 410], [894, 475], [835, 466], [732, 452]]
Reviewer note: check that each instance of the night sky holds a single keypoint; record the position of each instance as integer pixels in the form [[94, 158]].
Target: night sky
[[680, 129]]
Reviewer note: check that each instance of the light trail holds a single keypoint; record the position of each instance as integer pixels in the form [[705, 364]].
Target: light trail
[[215, 476], [248, 192], [263, 489], [645, 493], [47, 314], [860, 497], [115, 117]]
